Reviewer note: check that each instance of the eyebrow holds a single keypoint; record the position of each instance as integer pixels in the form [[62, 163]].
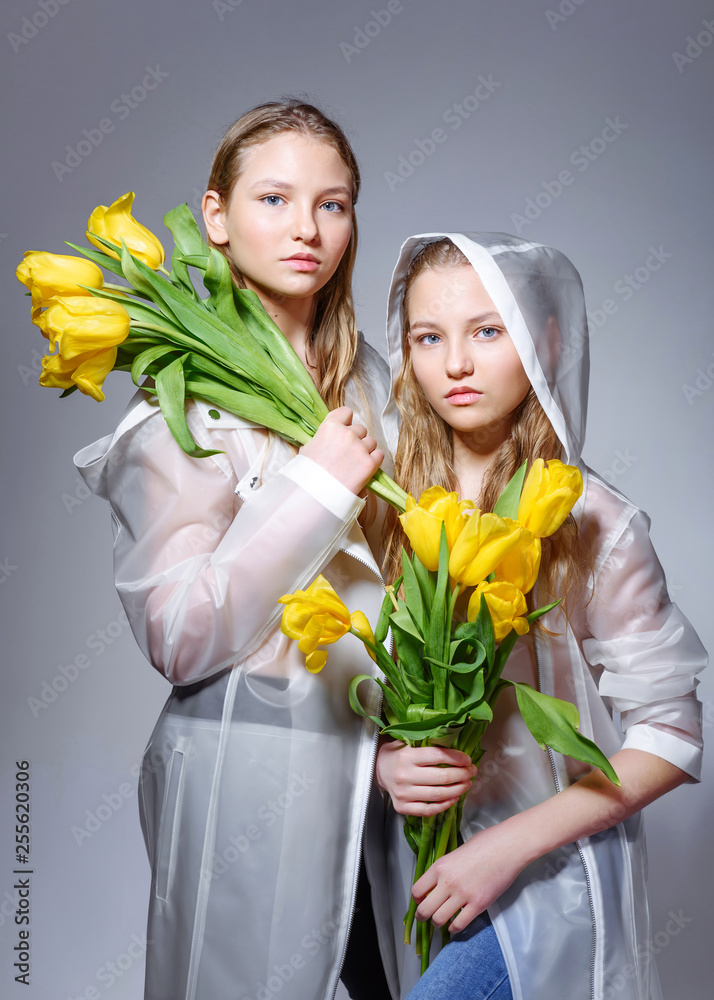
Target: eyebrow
[[274, 182], [492, 317]]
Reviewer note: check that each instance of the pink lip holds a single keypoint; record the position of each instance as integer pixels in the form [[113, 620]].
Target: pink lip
[[462, 395], [302, 262]]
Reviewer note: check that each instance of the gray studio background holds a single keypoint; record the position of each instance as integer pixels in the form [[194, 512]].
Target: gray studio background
[[536, 81]]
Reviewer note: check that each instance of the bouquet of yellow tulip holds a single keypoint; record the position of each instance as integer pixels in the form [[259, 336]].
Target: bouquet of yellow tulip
[[448, 674], [224, 349]]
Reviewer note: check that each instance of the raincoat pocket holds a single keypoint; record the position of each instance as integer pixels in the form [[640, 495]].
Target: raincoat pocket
[[169, 825]]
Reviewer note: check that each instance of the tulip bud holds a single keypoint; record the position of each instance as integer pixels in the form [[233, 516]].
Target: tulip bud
[[549, 494], [506, 605], [116, 223], [84, 325], [481, 546], [315, 617], [422, 522], [50, 274]]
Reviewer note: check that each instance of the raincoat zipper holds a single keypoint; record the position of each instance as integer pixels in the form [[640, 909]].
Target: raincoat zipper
[[366, 805], [586, 872]]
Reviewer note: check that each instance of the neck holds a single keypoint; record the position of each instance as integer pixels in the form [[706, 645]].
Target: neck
[[473, 454], [293, 317]]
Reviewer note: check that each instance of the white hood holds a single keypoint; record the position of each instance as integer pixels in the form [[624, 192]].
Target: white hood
[[539, 296]]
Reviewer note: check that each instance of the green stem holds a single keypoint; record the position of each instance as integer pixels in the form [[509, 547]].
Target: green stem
[[425, 843], [386, 489]]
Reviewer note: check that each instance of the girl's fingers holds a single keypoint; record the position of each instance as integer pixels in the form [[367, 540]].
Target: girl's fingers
[[463, 919], [418, 808], [423, 886]]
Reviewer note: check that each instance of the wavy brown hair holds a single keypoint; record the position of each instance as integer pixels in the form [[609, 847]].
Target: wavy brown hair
[[425, 452], [333, 338]]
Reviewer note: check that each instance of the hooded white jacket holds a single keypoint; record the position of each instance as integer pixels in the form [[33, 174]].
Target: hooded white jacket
[[255, 781], [575, 924]]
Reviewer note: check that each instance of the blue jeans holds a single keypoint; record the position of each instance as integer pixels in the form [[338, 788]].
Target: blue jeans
[[470, 967]]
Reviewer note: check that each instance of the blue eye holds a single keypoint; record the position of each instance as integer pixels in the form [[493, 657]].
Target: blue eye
[[333, 206], [429, 339], [488, 333], [272, 199]]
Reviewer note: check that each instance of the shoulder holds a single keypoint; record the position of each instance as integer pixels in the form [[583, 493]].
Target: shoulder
[[142, 438], [610, 521]]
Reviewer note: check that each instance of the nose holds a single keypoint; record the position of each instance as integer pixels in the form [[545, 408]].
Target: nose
[[304, 224], [458, 361]]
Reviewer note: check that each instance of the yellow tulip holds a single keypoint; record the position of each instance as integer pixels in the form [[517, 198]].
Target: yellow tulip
[[315, 617], [549, 494], [87, 372], [482, 544], [50, 274], [84, 325], [422, 522], [116, 223], [506, 605], [520, 566], [361, 624]]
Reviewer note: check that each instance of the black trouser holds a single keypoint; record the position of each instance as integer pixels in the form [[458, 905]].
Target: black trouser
[[362, 973]]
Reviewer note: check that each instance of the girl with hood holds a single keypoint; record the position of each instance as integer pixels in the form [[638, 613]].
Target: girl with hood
[[255, 781], [546, 896]]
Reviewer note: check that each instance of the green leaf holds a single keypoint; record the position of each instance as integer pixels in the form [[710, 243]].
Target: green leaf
[[404, 620], [148, 357], [247, 406], [554, 723], [427, 580], [217, 279], [382, 628], [355, 703], [187, 240], [541, 611], [412, 592], [435, 644], [507, 503], [99, 258], [484, 631], [171, 390]]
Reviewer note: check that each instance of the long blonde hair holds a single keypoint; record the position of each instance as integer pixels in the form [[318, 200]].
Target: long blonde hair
[[334, 338], [425, 453]]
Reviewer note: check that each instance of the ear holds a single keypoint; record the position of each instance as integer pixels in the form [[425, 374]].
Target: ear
[[212, 208]]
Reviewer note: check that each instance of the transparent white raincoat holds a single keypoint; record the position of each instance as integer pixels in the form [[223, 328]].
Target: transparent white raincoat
[[253, 814], [574, 924]]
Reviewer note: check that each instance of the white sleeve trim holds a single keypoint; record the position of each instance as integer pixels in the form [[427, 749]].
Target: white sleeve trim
[[323, 486], [684, 755]]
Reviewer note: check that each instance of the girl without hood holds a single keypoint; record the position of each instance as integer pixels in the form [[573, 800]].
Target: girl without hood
[[255, 781], [488, 348]]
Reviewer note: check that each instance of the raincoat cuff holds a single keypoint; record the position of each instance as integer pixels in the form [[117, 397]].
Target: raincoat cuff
[[684, 755], [323, 486]]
